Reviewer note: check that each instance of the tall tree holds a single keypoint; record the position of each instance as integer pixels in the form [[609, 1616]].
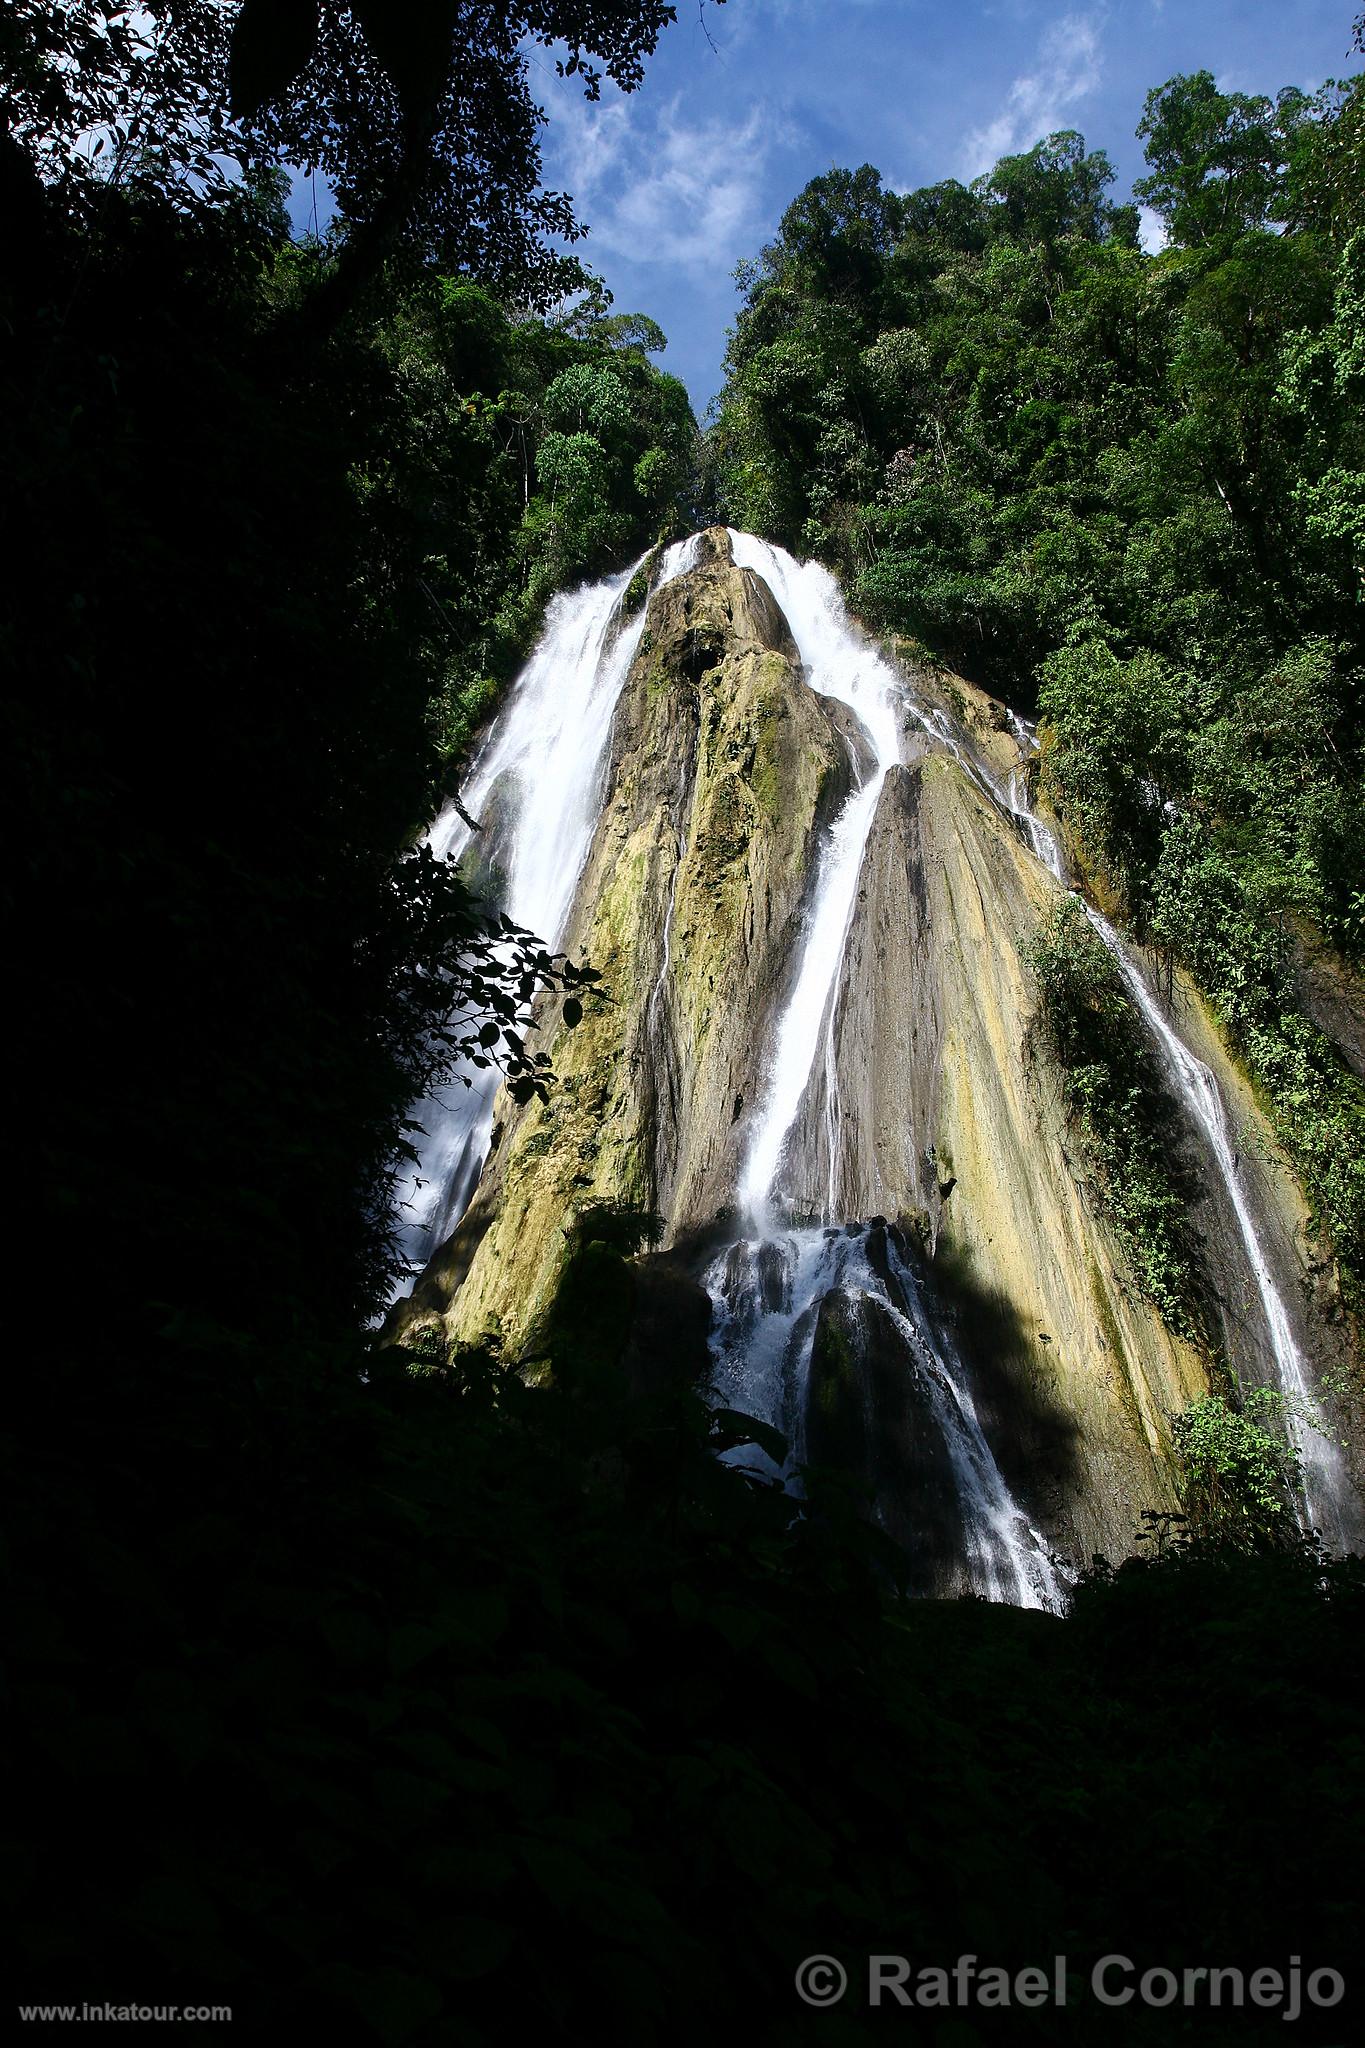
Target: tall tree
[[1218, 158], [1056, 188]]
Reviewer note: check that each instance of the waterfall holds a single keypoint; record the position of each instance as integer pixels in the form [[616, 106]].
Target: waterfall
[[768, 1290], [1006, 1557], [536, 785], [841, 665], [825, 1324], [1322, 1468], [1042, 843], [768, 1296]]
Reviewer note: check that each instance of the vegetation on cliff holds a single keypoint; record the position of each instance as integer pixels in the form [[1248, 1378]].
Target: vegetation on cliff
[[1237, 1466], [1125, 488], [1114, 1094]]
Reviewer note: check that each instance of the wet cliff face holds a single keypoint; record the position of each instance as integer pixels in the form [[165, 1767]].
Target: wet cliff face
[[950, 1121], [724, 766], [928, 1296]]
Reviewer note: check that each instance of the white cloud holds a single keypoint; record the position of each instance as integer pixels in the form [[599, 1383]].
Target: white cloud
[[663, 189], [1151, 231], [1067, 70]]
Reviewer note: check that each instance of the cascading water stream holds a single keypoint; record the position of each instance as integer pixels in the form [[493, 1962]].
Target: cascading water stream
[[537, 787], [767, 1290], [768, 1295], [1042, 842], [1322, 1470], [841, 666], [1006, 1558]]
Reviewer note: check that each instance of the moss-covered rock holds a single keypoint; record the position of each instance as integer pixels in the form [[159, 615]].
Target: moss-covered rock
[[724, 767]]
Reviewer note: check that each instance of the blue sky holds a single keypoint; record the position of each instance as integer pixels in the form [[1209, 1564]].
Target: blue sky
[[741, 106], [683, 178]]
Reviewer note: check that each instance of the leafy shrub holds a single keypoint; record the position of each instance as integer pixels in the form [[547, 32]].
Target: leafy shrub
[[1214, 912], [1237, 1466]]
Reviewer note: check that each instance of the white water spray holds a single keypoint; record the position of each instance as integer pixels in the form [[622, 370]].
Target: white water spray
[[767, 1300], [839, 664], [542, 766]]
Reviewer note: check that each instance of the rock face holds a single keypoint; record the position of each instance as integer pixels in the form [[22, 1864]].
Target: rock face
[[945, 1117], [869, 1414], [931, 1105], [724, 768]]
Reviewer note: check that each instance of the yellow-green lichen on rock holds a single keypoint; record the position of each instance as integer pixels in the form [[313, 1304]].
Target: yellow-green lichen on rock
[[724, 766]]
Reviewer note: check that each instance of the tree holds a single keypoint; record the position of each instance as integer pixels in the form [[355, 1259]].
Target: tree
[[837, 234], [587, 398], [419, 113], [1218, 159], [93, 91], [1054, 189], [946, 214]]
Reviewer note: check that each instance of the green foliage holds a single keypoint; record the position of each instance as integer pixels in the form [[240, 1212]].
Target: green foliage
[[637, 590], [1322, 389], [408, 110], [572, 470], [1114, 1096], [1055, 189], [1237, 1467], [541, 436], [1218, 912], [1218, 159], [588, 398], [1105, 716], [460, 710]]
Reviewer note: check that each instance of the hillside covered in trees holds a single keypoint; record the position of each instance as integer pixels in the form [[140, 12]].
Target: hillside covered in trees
[[375, 1686], [1124, 491]]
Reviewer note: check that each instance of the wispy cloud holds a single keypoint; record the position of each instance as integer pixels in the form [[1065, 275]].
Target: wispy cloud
[[1067, 70], [658, 188]]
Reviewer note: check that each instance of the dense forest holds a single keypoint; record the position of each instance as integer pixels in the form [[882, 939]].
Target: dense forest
[[385, 1693]]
